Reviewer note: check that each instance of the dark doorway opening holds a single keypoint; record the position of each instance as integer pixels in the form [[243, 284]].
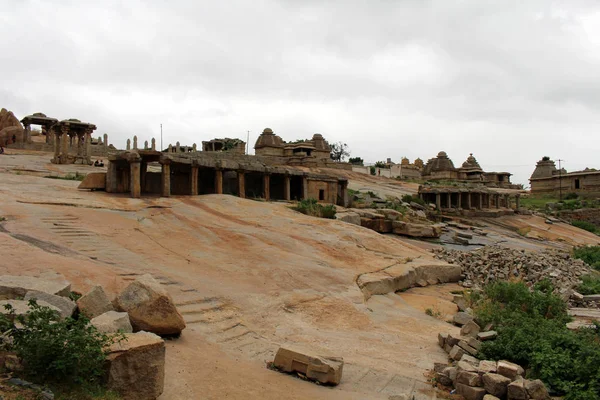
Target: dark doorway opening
[[253, 182], [296, 188], [277, 188]]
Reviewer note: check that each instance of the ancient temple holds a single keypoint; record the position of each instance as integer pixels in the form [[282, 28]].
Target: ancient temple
[[302, 152]]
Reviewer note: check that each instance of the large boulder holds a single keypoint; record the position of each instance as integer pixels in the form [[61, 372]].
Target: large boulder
[[379, 225], [416, 230], [12, 287], [112, 322], [326, 370], [65, 306], [94, 303], [136, 366], [510, 370], [150, 307]]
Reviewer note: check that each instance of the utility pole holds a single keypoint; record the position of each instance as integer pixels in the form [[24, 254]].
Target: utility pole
[[559, 180], [161, 145], [248, 143]]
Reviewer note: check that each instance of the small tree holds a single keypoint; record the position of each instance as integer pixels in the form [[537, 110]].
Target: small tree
[[339, 151], [380, 164], [356, 161]]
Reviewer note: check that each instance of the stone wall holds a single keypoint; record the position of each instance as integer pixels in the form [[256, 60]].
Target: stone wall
[[587, 185], [329, 191], [591, 215]]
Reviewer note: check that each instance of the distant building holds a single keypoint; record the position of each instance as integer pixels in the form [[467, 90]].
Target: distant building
[[236, 146], [547, 179]]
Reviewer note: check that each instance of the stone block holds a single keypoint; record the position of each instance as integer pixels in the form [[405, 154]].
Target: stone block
[[460, 302], [21, 307], [349, 217], [486, 366], [509, 370], [439, 367], [94, 303], [377, 224], [536, 390], [465, 346], [470, 329], [470, 359], [451, 372], [112, 322], [469, 378], [452, 340], [489, 335], [94, 181], [490, 397], [416, 230], [495, 384], [474, 343], [442, 339], [150, 307], [466, 366], [12, 287], [443, 379], [326, 370], [456, 353], [136, 366], [461, 318], [65, 306], [516, 390], [470, 393]]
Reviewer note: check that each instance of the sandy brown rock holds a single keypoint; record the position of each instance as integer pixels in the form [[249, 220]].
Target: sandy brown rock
[[322, 369], [136, 366], [12, 287], [21, 307], [94, 303], [150, 307], [65, 306], [495, 384], [112, 322]]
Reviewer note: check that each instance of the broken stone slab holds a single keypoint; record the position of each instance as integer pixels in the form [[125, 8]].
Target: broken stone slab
[[460, 302], [94, 303], [326, 370], [377, 224], [348, 217], [470, 329], [509, 370], [495, 384], [21, 307], [470, 393], [461, 318], [12, 287], [365, 213], [578, 324], [536, 390], [136, 366], [442, 339], [461, 240], [390, 214], [474, 343], [443, 379], [576, 296], [150, 307], [591, 297], [466, 366], [456, 353], [439, 367], [112, 322], [464, 235], [584, 312], [65, 306], [489, 335], [467, 348], [416, 230], [468, 378], [451, 373], [94, 181], [486, 366], [516, 390], [470, 359]]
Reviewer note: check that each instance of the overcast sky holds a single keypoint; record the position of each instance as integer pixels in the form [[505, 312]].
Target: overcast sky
[[510, 81]]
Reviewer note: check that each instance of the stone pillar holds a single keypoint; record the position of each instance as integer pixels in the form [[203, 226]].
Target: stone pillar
[[57, 146], [111, 177], [241, 184], [489, 201], [287, 188], [497, 198], [518, 201], [304, 187], [143, 171], [64, 153], [105, 140], [194, 147], [128, 144], [88, 146], [468, 200], [267, 186], [165, 178], [438, 201], [480, 200], [345, 200], [135, 142], [170, 149], [134, 179], [177, 146], [459, 203], [46, 133], [153, 144], [449, 198], [27, 133], [146, 145], [194, 180], [507, 200], [219, 181], [79, 144]]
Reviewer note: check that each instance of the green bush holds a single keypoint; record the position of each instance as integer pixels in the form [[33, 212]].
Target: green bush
[[589, 254], [589, 284], [588, 226], [571, 196], [55, 350], [407, 198], [312, 207], [532, 332]]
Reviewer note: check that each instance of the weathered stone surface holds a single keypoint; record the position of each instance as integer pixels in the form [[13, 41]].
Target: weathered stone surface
[[509, 370], [495, 384], [474, 343], [470, 359], [377, 224], [453, 341], [516, 390], [470, 329], [486, 366], [94, 303], [443, 379], [462, 318], [94, 180], [416, 230], [136, 366], [442, 339], [451, 372], [456, 353], [467, 348], [460, 302], [12, 287], [390, 214], [490, 397], [536, 390], [21, 307], [466, 366], [349, 217], [370, 214], [470, 393], [322, 369], [439, 367], [468, 378], [150, 307], [112, 322], [65, 306], [489, 335]]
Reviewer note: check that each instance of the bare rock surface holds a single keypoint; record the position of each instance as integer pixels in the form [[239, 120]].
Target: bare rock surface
[[65, 306], [150, 307]]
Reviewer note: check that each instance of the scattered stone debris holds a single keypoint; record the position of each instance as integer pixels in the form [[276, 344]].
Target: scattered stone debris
[[325, 370], [492, 263], [94, 303]]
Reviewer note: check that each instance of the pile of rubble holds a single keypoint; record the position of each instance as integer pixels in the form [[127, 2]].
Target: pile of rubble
[[492, 263], [476, 379], [135, 366], [386, 220]]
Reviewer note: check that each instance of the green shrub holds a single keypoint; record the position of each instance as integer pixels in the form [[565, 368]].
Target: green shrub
[[532, 332], [312, 207], [589, 254], [372, 170], [589, 284], [55, 350], [571, 196], [407, 198], [588, 226]]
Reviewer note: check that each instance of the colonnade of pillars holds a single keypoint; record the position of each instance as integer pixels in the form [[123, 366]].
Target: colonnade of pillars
[[62, 142], [482, 200]]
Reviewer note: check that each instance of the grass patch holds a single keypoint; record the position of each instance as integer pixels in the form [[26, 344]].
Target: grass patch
[[532, 332], [588, 226], [589, 254], [313, 208], [537, 202], [590, 284], [68, 177]]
